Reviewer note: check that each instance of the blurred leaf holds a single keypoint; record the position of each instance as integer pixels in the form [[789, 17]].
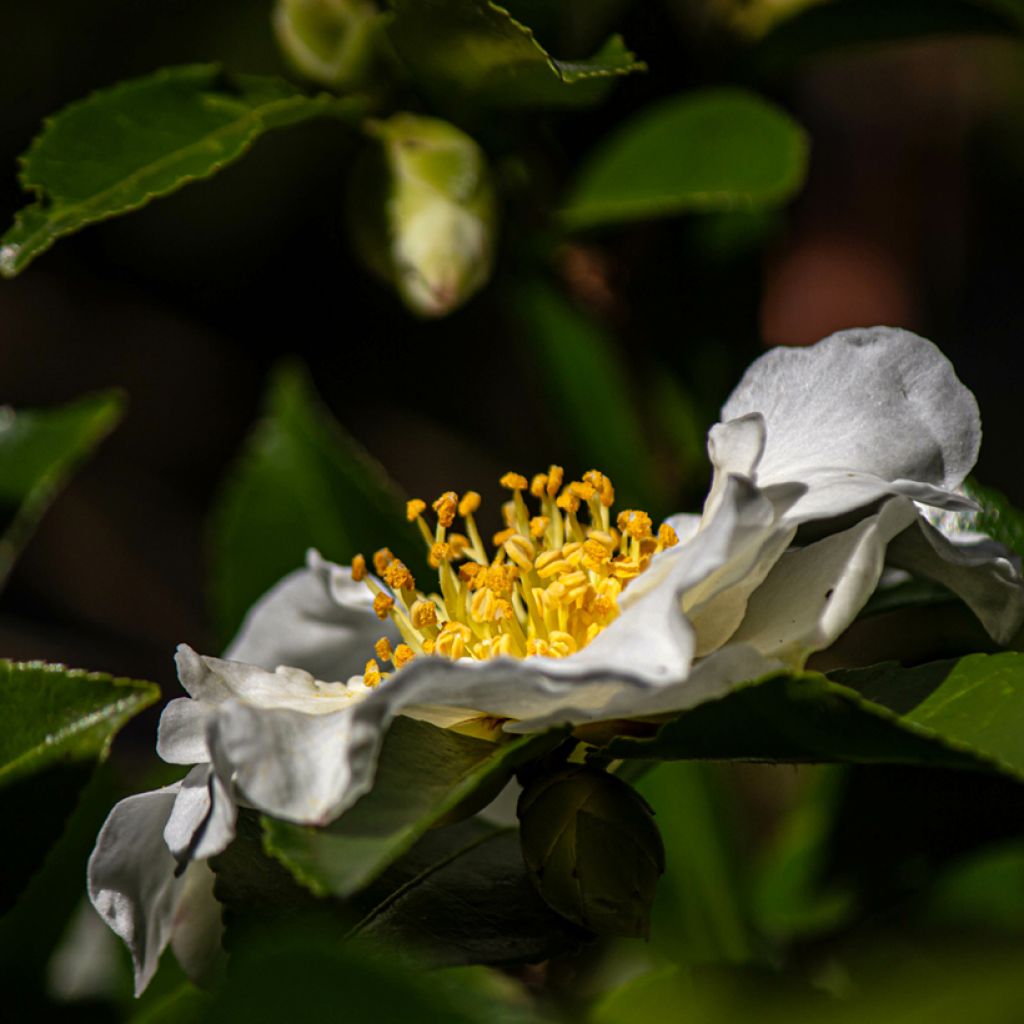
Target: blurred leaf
[[184, 1005], [471, 903], [714, 150], [592, 850], [39, 448], [474, 49], [424, 773], [55, 724], [962, 714], [983, 891], [588, 390], [842, 24], [997, 517], [701, 909], [300, 482], [119, 148]]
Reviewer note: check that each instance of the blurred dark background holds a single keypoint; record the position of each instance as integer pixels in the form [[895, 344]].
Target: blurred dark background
[[912, 215]]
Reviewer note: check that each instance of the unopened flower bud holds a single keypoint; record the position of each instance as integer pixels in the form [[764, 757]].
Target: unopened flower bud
[[433, 236], [330, 42]]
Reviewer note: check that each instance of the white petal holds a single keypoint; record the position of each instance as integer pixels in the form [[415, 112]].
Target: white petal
[[318, 619], [131, 878], [813, 593], [202, 823], [976, 571], [859, 415], [181, 734], [197, 928]]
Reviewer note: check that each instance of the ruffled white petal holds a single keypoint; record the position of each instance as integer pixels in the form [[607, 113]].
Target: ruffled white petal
[[317, 618], [860, 415], [197, 928], [978, 570], [131, 878], [202, 823]]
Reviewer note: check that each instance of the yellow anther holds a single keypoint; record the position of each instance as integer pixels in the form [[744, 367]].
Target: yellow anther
[[502, 645], [602, 538], [537, 647], [482, 604], [583, 490], [602, 607], [403, 655], [568, 502], [502, 535], [414, 509], [514, 482], [548, 563], [503, 610], [428, 646], [383, 648], [562, 644], [648, 546], [500, 578], [596, 550], [469, 504], [358, 568], [371, 674], [446, 506], [458, 543], [508, 513], [625, 568], [398, 577], [634, 522], [667, 537], [538, 526], [555, 477], [521, 551], [423, 614], [607, 493], [382, 559], [452, 640], [538, 485], [469, 571], [439, 553], [382, 605]]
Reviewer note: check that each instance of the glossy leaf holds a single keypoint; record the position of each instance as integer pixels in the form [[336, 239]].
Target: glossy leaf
[[592, 850], [997, 517], [470, 902], [39, 448], [476, 50], [714, 150], [960, 714], [119, 148], [425, 773], [55, 725], [300, 482]]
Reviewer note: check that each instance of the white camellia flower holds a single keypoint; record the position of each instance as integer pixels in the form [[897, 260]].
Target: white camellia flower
[[823, 463]]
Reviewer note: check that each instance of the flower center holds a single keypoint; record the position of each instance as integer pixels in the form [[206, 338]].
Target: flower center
[[551, 585]]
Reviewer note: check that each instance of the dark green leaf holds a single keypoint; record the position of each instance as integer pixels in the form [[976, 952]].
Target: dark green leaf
[[471, 903], [424, 774], [588, 391], [474, 49], [55, 725], [961, 714], [592, 850], [116, 150], [301, 482], [720, 149], [997, 517], [38, 450]]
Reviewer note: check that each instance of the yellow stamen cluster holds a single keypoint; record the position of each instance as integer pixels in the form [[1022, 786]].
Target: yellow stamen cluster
[[550, 586]]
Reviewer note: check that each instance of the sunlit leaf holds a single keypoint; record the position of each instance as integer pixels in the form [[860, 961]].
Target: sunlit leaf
[[119, 148]]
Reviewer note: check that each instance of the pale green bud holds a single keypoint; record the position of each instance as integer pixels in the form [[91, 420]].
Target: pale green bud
[[331, 42], [592, 849], [438, 217]]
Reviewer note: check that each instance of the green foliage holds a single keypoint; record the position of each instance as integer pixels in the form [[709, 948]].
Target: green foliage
[[592, 849], [713, 150], [962, 714], [55, 725], [116, 150], [300, 482], [39, 448], [588, 392], [424, 775], [997, 517], [475, 50]]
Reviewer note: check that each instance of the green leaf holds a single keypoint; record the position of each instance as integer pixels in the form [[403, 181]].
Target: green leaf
[[119, 148], [997, 517], [962, 714], [588, 392], [39, 448], [714, 150], [470, 902], [592, 850], [424, 774], [55, 725], [300, 482], [474, 49]]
